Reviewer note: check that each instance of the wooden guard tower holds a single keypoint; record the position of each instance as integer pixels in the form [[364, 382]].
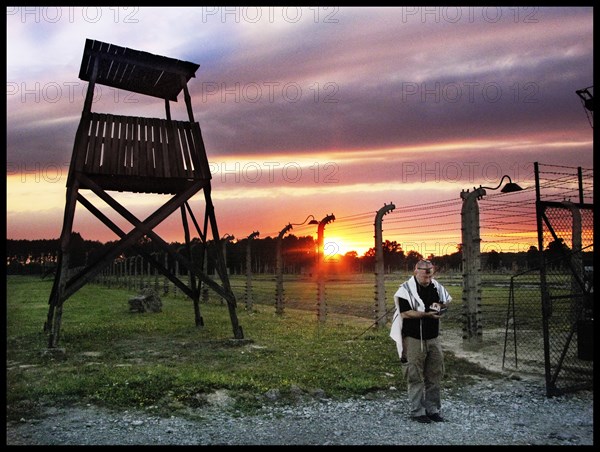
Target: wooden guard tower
[[141, 155]]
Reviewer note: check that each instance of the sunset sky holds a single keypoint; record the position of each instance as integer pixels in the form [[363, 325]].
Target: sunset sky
[[313, 111]]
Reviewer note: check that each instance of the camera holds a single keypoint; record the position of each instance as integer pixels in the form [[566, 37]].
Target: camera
[[440, 311]]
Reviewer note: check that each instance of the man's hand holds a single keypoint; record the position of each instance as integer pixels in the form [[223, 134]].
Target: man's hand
[[435, 311]]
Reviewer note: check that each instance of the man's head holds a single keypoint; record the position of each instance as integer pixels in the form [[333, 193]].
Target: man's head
[[424, 272]]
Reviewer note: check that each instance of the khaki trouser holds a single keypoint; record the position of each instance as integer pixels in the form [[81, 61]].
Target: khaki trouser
[[423, 373]]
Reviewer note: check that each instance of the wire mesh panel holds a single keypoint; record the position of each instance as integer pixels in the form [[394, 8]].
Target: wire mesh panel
[[568, 314], [524, 338], [565, 236]]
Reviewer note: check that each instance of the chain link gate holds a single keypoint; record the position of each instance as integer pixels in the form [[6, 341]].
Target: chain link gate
[[550, 313]]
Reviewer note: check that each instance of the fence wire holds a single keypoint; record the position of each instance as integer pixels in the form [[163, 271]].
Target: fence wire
[[549, 321]]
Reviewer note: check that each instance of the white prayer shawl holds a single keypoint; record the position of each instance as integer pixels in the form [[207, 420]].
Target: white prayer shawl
[[408, 291]]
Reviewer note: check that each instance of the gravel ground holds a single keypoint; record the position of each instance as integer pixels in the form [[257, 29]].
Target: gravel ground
[[508, 411], [513, 410]]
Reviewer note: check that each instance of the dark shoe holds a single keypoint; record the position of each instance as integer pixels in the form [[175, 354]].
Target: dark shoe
[[422, 419], [435, 417]]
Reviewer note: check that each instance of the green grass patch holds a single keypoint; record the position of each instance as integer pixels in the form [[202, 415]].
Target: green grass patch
[[111, 357]]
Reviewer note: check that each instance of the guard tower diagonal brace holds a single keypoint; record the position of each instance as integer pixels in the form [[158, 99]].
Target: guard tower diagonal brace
[[139, 155]]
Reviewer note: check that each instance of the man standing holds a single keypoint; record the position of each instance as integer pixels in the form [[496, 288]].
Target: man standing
[[420, 302]]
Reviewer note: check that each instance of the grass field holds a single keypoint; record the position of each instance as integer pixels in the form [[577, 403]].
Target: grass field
[[111, 357]]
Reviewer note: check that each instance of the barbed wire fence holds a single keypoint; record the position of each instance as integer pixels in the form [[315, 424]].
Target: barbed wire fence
[[508, 221]]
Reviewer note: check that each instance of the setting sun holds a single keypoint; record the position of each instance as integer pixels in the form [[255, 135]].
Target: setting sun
[[335, 247]]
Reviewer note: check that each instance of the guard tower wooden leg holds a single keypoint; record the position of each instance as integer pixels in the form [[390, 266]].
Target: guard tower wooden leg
[[52, 325], [195, 291], [221, 267]]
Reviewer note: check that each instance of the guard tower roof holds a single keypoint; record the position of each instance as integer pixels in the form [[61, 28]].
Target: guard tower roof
[[136, 71]]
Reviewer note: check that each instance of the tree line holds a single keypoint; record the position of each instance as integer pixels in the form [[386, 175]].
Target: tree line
[[299, 255]]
